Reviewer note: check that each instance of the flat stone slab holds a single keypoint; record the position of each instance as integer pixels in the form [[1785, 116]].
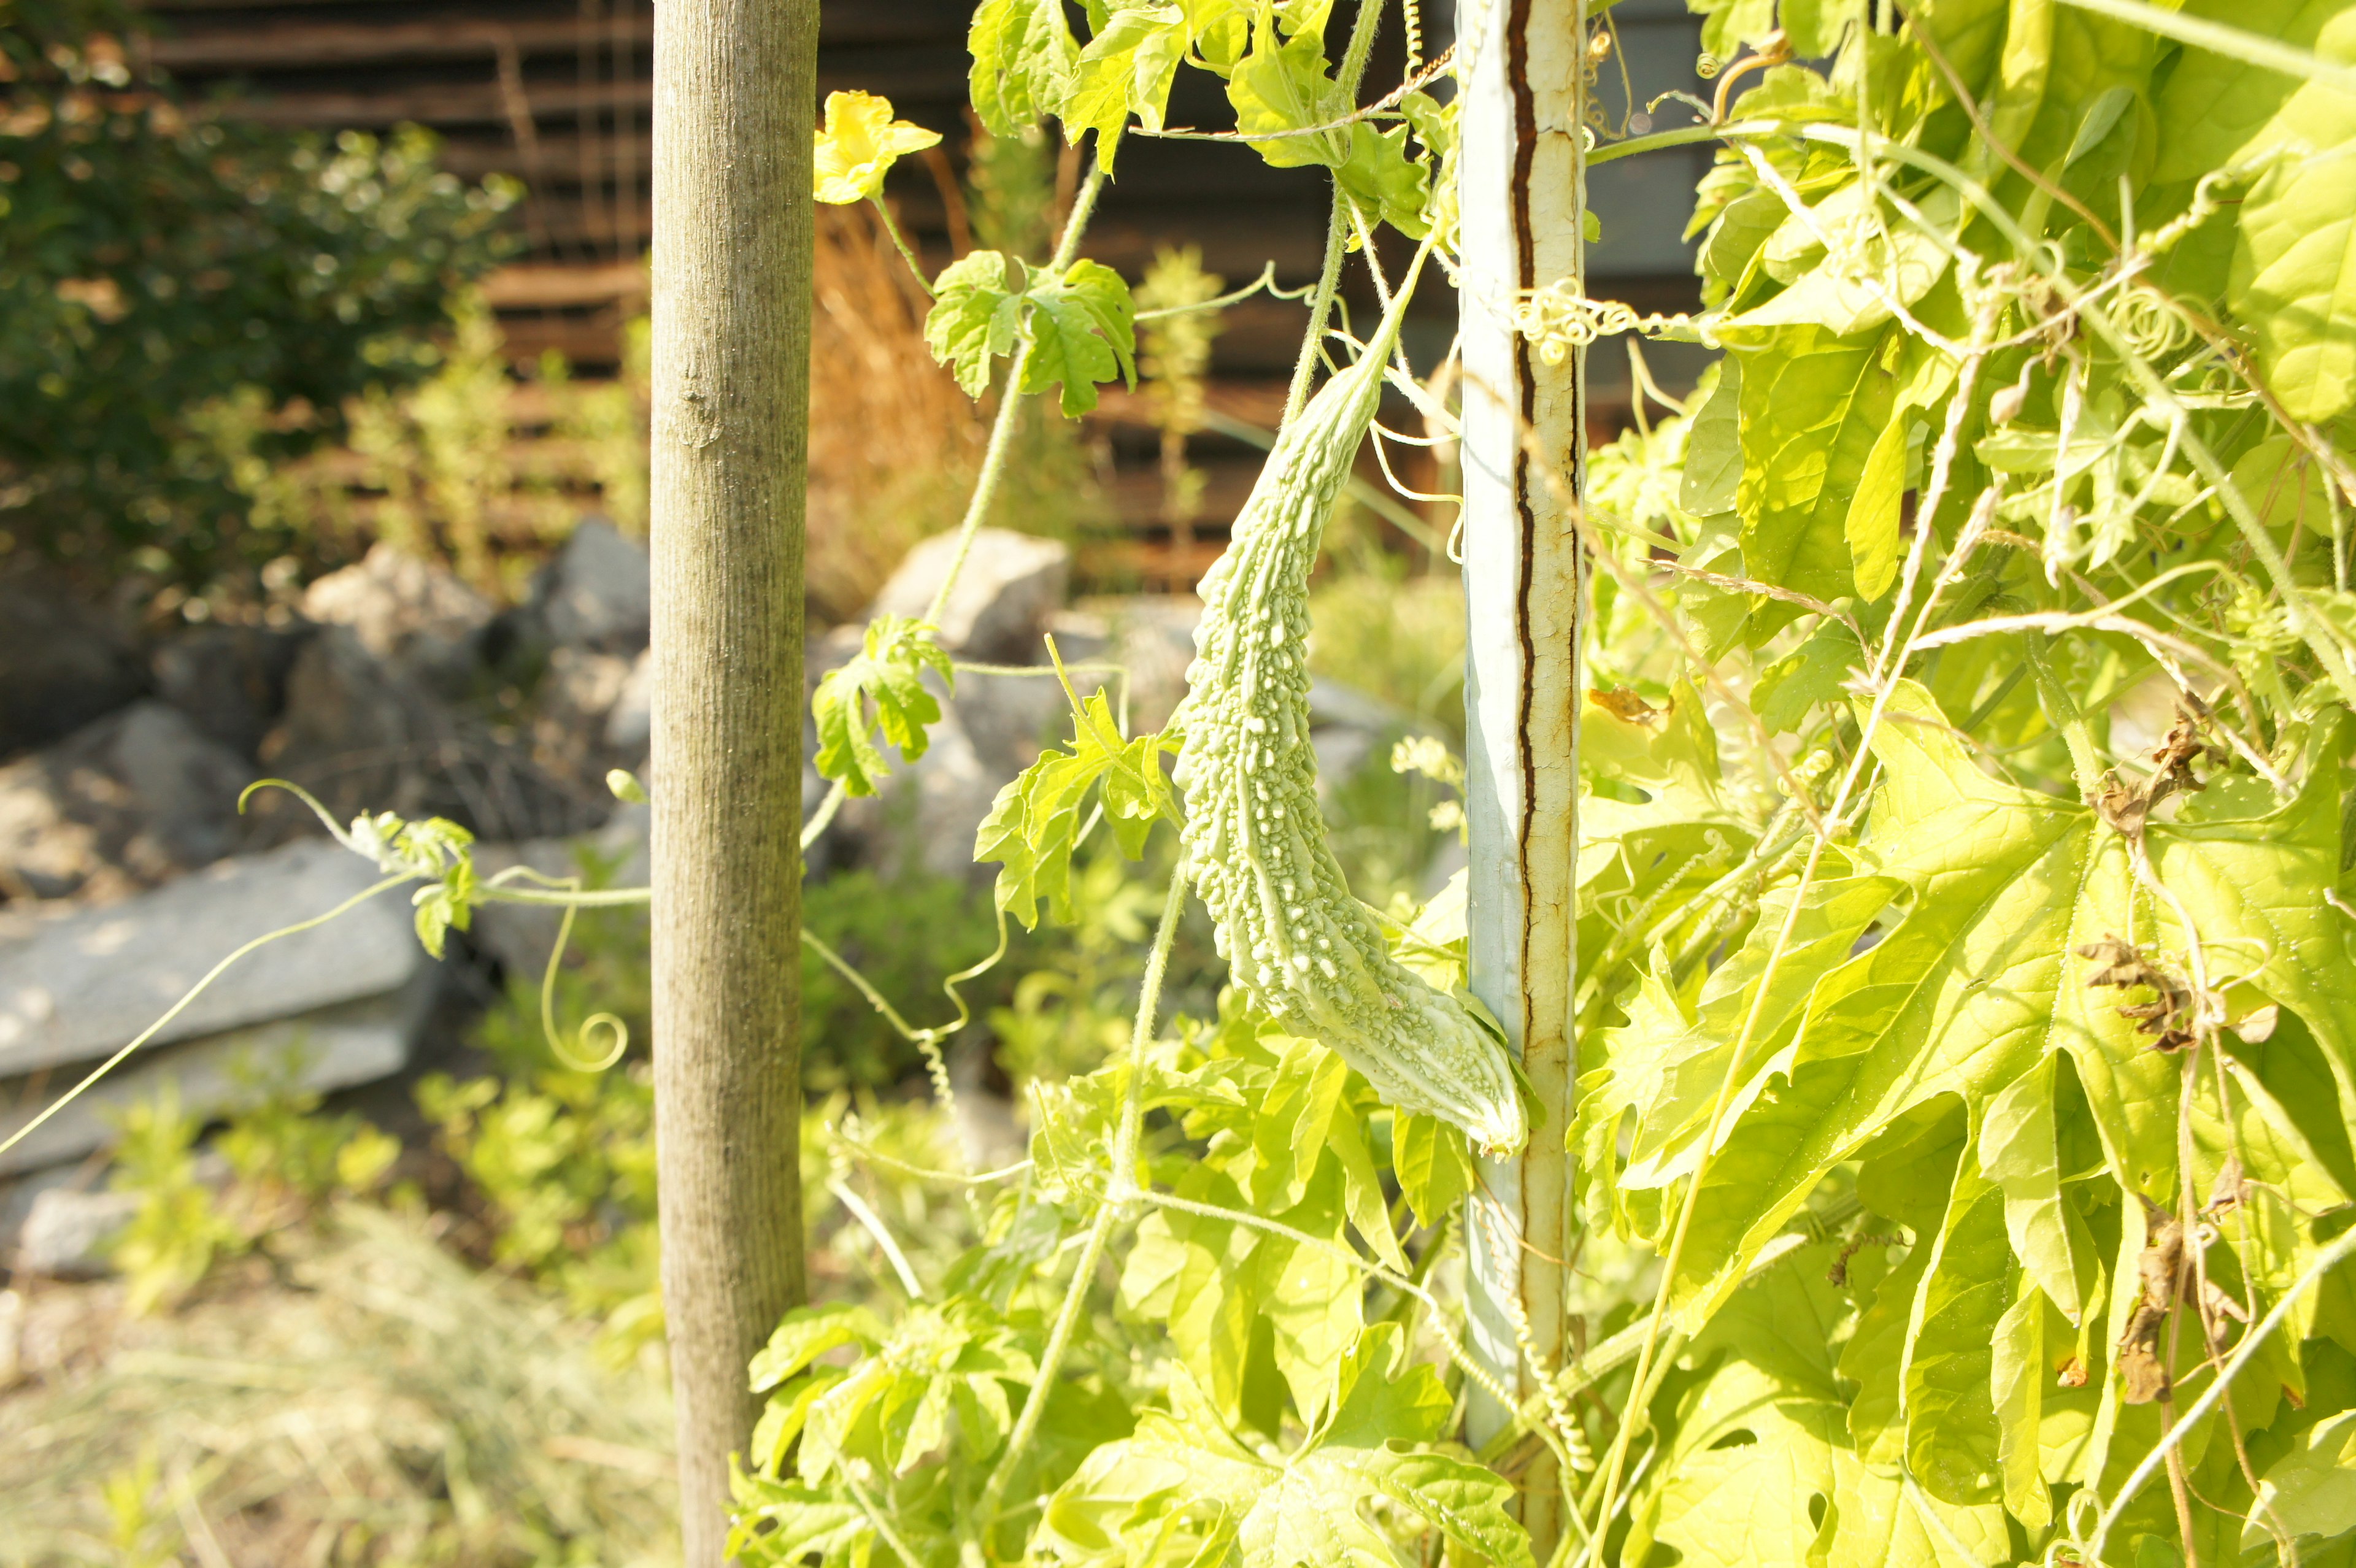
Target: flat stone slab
[[81, 986], [220, 1075]]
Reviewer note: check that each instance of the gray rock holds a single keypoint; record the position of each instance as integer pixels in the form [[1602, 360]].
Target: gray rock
[[354, 732], [1008, 717], [569, 708], [17, 1193], [988, 1126], [78, 985], [1341, 752], [521, 936], [1330, 702], [1149, 636], [12, 1328], [630, 723], [927, 812], [407, 612], [66, 1235], [62, 666], [220, 1075], [132, 800], [1008, 585], [597, 592], [954, 791], [361, 735], [228, 681]]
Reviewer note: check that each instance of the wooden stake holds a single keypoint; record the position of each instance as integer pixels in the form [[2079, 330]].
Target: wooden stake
[[736, 93]]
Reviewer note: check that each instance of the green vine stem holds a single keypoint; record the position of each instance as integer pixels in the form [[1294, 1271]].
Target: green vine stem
[[2338, 1253], [907, 252], [1009, 405], [1120, 1187]]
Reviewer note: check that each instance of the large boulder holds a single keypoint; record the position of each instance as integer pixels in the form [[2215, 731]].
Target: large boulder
[[407, 612], [630, 722], [1151, 638], [132, 800], [215, 1077], [1008, 585], [361, 735], [62, 666], [925, 815], [230, 681], [66, 1232], [1010, 718], [353, 731], [596, 593], [76, 986]]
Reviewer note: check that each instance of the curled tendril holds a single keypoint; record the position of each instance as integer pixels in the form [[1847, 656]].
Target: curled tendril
[[1558, 319], [605, 1026], [2152, 326]]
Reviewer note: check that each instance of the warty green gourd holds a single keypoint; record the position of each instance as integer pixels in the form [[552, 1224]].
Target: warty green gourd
[[1295, 939]]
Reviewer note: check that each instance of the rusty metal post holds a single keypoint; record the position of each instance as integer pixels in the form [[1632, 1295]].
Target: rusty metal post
[[1523, 193]]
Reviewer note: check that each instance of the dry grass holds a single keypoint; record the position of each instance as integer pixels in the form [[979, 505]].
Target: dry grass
[[894, 443], [371, 1401]]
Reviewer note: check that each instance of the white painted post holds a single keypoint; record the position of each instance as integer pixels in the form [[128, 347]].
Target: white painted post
[[1523, 173]]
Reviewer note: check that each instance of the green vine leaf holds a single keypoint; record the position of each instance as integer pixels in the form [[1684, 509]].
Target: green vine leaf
[[1286, 84], [1034, 824], [1814, 404], [1083, 332], [809, 1332], [2294, 273], [1127, 68], [1185, 1489], [780, 1522], [1081, 326], [977, 316], [1713, 465], [434, 849], [1953, 1444], [1025, 59], [888, 674], [941, 1376]]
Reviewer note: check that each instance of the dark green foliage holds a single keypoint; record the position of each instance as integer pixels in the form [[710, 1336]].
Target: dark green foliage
[[156, 260]]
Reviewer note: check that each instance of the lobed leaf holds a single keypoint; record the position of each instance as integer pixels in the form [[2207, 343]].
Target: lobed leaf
[[887, 674]]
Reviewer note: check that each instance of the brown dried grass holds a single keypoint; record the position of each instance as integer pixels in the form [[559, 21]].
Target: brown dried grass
[[894, 443]]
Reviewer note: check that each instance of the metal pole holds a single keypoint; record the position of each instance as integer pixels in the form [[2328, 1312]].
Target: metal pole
[[1524, 174]]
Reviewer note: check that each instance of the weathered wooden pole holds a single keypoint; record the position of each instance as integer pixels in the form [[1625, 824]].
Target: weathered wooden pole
[[1523, 193], [734, 105]]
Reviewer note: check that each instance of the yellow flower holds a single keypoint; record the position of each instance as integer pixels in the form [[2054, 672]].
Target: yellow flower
[[860, 143]]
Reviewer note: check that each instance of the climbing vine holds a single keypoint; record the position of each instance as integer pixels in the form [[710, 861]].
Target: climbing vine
[[1966, 1004]]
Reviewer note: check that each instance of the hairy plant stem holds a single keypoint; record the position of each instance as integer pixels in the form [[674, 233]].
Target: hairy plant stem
[[1009, 405], [907, 251], [1320, 306], [1121, 1188]]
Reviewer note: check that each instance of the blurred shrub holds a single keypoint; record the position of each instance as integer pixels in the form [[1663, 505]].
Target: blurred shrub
[[156, 262], [1395, 636], [284, 1159]]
